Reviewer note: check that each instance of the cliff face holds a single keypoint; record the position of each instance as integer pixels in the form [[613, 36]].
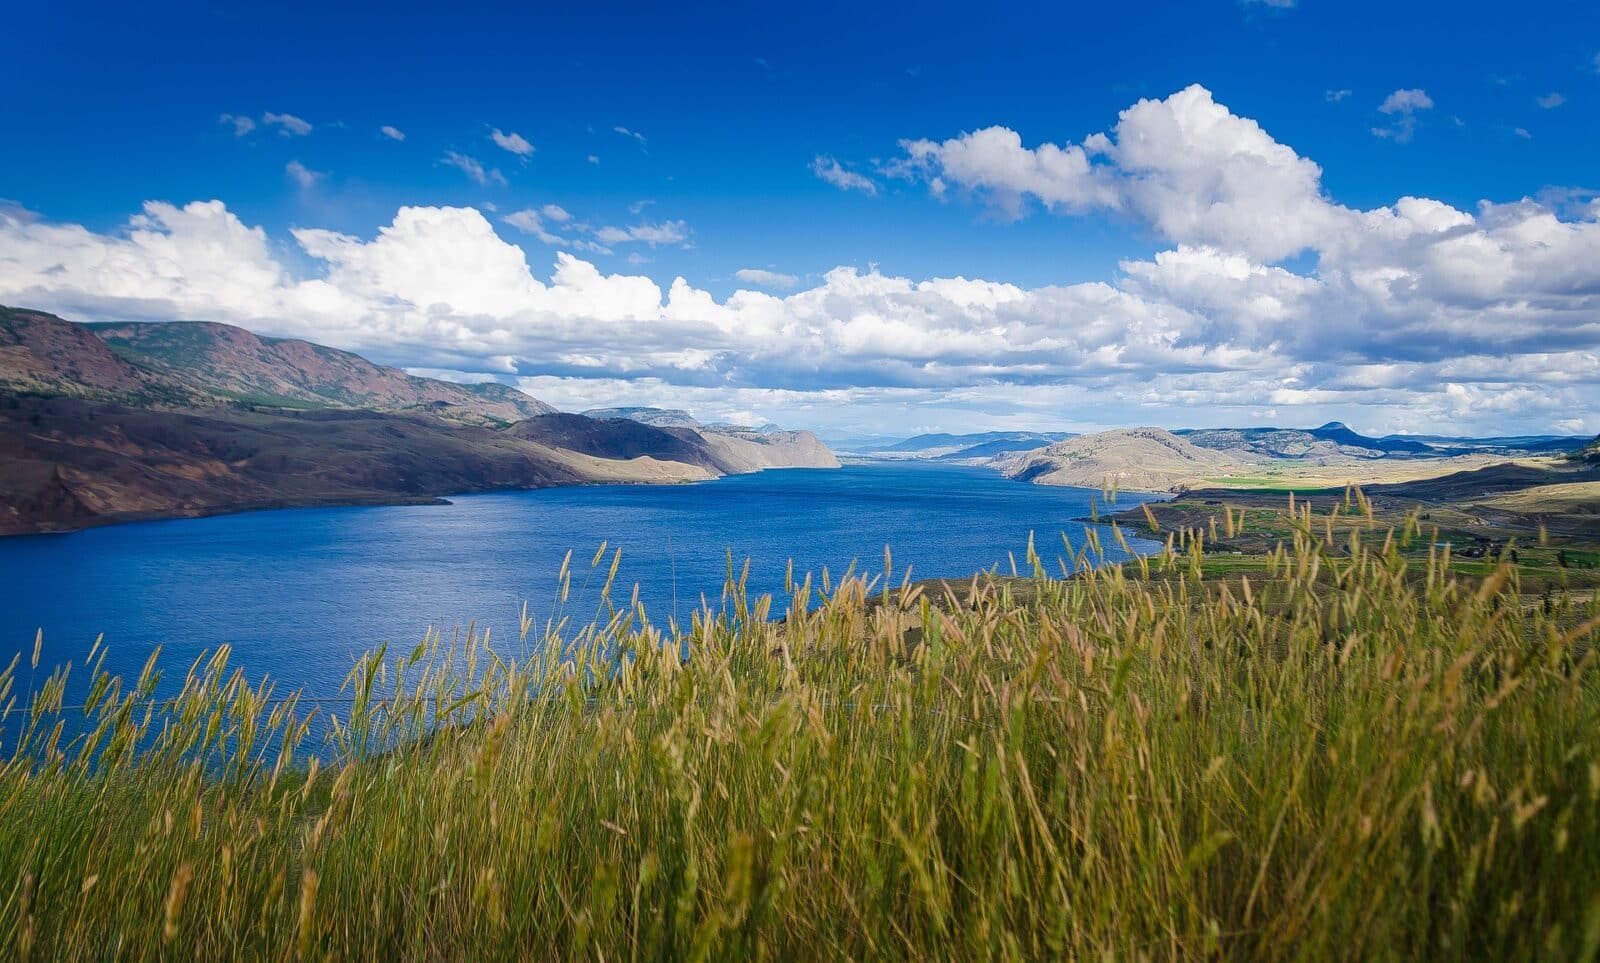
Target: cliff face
[[102, 423]]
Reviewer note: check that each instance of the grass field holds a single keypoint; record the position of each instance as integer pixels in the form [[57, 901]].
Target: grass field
[[1352, 754], [1311, 475]]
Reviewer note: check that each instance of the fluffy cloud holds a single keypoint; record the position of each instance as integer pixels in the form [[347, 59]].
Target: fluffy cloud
[[513, 142], [1270, 297], [392, 132], [473, 168], [288, 124], [1402, 106], [1406, 101], [1186, 165], [1551, 101]]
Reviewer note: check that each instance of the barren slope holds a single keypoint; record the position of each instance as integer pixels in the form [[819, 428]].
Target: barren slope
[[1134, 459]]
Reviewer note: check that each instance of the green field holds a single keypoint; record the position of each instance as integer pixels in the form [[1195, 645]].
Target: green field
[[1351, 754]]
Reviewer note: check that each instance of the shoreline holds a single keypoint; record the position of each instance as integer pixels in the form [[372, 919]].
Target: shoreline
[[374, 500]]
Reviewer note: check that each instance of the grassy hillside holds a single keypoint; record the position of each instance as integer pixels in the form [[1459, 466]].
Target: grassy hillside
[[232, 364], [201, 364], [1354, 755]]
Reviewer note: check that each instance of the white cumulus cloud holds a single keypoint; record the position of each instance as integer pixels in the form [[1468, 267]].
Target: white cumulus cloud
[[1265, 294]]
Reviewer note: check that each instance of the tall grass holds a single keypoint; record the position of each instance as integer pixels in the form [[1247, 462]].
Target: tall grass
[[1356, 757]]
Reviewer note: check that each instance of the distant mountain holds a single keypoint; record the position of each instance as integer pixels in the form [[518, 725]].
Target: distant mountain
[[659, 417], [739, 450], [1001, 446], [1502, 444], [943, 443], [108, 422], [1135, 459], [732, 449], [1334, 439], [1341, 434]]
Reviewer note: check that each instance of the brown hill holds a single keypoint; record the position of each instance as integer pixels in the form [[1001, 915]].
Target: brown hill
[[69, 462], [1134, 459], [724, 450], [738, 450], [235, 365], [42, 354]]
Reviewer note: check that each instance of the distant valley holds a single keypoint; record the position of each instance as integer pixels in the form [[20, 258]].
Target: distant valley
[[114, 422], [1152, 459]]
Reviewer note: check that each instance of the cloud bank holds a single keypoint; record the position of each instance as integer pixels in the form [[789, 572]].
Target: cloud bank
[[1411, 316]]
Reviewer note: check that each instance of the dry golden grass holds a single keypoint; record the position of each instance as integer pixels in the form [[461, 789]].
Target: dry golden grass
[[1549, 499], [1341, 761]]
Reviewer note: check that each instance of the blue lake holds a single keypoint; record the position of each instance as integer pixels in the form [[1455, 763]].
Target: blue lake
[[300, 593]]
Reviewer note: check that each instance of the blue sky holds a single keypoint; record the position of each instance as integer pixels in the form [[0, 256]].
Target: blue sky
[[663, 142]]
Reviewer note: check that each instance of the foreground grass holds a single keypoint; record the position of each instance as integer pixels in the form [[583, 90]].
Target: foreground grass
[[1343, 761]]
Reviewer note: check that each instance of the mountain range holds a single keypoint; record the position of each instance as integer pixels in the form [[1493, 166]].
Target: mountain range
[[112, 422], [974, 447], [1334, 439], [1155, 459]]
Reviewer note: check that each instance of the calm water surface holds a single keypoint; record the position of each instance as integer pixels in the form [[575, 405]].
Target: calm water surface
[[300, 593]]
